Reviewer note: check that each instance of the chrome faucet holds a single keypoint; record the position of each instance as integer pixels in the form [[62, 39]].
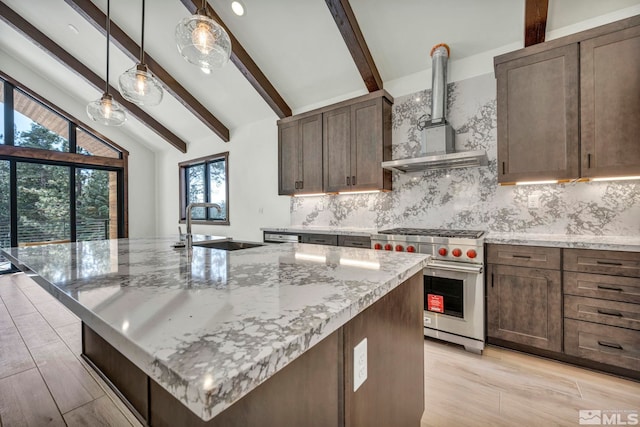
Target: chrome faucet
[[197, 205]]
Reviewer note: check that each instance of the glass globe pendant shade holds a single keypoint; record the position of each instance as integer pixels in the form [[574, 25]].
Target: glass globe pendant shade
[[202, 41], [139, 86], [106, 111]]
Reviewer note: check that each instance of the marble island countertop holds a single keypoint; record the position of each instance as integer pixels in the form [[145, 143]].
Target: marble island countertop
[[210, 325]]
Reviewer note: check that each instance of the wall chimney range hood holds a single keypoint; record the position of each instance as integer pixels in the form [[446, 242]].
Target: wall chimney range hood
[[438, 148]]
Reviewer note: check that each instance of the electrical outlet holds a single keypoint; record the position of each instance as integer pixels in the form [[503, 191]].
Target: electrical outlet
[[320, 205], [260, 210], [533, 201], [359, 364]]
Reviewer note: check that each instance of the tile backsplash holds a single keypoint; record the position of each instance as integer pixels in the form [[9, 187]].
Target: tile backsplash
[[470, 197]]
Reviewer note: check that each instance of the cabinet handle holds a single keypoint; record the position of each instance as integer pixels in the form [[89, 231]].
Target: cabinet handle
[[521, 256], [610, 345], [503, 168], [296, 185], [608, 263], [589, 161], [492, 280], [301, 185], [353, 180], [610, 288], [358, 244], [610, 313], [348, 180]]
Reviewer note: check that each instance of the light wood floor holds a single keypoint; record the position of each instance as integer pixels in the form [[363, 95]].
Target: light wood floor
[[43, 380]]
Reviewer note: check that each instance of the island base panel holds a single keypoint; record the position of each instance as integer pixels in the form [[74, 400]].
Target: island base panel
[[316, 389], [304, 393], [129, 382], [393, 394]]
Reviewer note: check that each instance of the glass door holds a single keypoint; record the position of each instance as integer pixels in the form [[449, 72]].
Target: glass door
[[5, 213], [43, 203], [96, 204]]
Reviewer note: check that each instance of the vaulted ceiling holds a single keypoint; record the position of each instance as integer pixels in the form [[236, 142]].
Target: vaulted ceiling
[[296, 44]]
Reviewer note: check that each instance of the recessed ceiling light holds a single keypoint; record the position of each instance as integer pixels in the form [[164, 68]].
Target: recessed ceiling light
[[73, 29], [237, 7]]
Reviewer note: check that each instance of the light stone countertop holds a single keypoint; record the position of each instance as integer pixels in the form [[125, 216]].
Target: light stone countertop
[[609, 243], [343, 231], [209, 326]]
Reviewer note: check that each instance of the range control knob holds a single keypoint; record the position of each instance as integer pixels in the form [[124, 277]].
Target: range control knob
[[456, 252], [399, 248], [388, 247], [472, 253], [442, 251], [411, 249], [377, 246]]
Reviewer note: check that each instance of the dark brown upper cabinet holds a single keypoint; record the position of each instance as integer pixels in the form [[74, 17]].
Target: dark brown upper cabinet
[[356, 140], [300, 155], [610, 104], [538, 131], [569, 108], [340, 147]]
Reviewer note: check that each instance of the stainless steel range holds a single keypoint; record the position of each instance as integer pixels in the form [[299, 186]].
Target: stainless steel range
[[453, 280]]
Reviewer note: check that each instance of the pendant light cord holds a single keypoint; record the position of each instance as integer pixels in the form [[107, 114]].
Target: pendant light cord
[[142, 38], [106, 89]]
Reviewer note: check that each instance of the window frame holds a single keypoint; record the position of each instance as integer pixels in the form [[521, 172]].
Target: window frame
[[182, 172], [70, 159]]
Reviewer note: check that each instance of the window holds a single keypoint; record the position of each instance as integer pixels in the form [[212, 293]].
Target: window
[[47, 192], [205, 180]]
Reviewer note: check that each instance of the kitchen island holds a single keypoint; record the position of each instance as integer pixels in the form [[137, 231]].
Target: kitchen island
[[257, 336]]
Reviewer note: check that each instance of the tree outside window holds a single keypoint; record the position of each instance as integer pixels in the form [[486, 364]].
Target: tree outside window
[[205, 180]]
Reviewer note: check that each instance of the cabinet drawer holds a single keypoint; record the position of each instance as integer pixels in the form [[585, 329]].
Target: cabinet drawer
[[626, 289], [355, 241], [524, 256], [602, 343], [603, 262], [320, 239], [613, 313]]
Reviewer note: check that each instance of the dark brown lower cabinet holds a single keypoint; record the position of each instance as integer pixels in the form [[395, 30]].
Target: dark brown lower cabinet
[[524, 305], [602, 343], [589, 316], [316, 389]]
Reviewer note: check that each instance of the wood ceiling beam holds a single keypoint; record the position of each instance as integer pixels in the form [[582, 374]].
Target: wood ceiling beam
[[245, 64], [19, 24], [350, 30], [95, 17], [535, 21]]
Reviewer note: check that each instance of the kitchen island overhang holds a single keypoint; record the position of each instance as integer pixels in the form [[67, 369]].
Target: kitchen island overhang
[[209, 326]]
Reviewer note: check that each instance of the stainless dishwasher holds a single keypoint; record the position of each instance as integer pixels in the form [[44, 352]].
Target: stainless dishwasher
[[270, 237]]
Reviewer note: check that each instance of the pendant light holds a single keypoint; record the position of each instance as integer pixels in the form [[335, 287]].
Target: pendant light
[[105, 110], [137, 84], [202, 41]]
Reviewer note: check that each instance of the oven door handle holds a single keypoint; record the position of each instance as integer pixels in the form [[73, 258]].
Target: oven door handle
[[455, 267]]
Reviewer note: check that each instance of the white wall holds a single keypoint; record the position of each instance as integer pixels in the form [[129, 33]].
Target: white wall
[[141, 159], [253, 183]]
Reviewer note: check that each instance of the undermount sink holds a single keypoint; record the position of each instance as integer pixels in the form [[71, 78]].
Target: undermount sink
[[227, 245]]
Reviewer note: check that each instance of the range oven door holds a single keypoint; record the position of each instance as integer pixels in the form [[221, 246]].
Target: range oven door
[[454, 299]]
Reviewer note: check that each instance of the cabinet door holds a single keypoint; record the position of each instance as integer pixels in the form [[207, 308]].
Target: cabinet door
[[524, 306], [336, 133], [311, 154], [610, 104], [538, 116], [288, 158], [366, 145]]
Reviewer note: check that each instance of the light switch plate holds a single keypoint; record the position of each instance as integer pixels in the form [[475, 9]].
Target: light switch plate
[[359, 364], [533, 201]]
